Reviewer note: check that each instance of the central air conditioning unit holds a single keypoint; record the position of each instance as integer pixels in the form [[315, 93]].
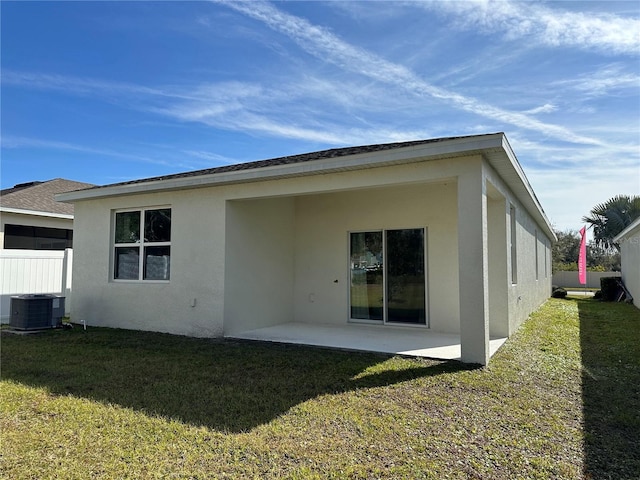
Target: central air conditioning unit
[[35, 312]]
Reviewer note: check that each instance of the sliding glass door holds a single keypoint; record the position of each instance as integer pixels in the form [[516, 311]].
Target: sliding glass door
[[367, 276], [388, 276], [405, 276]]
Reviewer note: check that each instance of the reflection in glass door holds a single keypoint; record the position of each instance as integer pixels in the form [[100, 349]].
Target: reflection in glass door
[[388, 276], [367, 281], [405, 276]]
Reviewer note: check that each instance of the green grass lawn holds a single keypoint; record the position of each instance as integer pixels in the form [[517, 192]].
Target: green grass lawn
[[561, 399]]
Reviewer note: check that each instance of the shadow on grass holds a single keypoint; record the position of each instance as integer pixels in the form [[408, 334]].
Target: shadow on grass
[[228, 386], [610, 345]]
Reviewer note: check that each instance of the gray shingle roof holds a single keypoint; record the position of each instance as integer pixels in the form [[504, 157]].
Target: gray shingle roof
[[305, 157], [39, 196]]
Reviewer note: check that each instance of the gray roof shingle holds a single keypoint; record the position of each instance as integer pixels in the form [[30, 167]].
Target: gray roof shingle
[[39, 196], [291, 159]]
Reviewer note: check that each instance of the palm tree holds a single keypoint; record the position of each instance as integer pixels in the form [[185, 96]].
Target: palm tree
[[608, 219]]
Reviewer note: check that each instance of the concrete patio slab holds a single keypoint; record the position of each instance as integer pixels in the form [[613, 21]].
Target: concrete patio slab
[[409, 341]]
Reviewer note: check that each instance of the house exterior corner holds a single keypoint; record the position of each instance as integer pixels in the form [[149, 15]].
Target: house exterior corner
[[629, 241]]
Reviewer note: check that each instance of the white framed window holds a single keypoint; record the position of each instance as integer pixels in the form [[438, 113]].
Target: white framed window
[[142, 244]]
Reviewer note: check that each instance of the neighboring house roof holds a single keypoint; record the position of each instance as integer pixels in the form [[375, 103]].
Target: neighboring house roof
[[494, 147], [627, 231], [39, 197]]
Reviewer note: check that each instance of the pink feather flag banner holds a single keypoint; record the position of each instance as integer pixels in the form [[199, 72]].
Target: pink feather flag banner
[[582, 257]]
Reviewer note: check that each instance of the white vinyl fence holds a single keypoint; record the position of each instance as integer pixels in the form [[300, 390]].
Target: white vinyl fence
[[34, 272], [570, 279]]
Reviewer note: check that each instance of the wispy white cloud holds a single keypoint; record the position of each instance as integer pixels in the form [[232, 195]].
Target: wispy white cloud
[[321, 132], [554, 155], [573, 191], [594, 31], [570, 179], [325, 45], [309, 107], [546, 108], [295, 110], [212, 101], [80, 86], [14, 142], [611, 79], [303, 110], [210, 157], [25, 142]]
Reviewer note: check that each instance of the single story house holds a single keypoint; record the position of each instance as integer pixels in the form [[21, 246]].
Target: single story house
[[629, 241], [423, 238], [32, 219]]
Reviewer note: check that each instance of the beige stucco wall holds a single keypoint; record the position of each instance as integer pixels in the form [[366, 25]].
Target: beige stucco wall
[[630, 260], [497, 262], [32, 221], [322, 242], [259, 263], [308, 234], [531, 289], [533, 284], [256, 254], [197, 268]]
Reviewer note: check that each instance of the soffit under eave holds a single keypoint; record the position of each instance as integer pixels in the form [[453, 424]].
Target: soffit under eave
[[35, 213]]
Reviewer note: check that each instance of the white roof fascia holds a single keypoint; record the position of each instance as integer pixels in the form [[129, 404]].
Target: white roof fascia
[[529, 198], [632, 226], [428, 151], [445, 148], [36, 213]]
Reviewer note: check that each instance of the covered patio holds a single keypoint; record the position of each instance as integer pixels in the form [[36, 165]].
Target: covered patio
[[289, 266], [371, 338]]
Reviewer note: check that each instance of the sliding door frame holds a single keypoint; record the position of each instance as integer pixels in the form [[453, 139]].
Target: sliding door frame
[[385, 276]]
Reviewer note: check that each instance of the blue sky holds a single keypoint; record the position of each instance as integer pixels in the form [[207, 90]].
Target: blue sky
[[104, 92]]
